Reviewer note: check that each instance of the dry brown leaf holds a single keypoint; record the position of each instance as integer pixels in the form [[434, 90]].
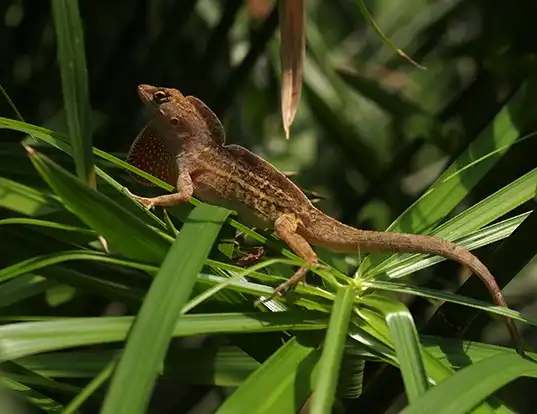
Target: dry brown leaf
[[293, 43]]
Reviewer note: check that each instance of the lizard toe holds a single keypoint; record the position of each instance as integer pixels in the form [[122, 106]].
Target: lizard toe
[[148, 203]]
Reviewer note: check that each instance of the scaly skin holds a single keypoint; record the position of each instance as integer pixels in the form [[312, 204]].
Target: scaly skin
[[185, 145]]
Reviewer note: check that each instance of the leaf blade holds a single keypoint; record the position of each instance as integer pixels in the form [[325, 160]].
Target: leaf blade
[[330, 362], [472, 385], [72, 60]]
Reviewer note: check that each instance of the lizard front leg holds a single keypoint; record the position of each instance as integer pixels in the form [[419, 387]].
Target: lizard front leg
[[285, 227], [184, 193]]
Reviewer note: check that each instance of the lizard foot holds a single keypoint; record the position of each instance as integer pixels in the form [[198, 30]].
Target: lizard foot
[[251, 258], [299, 276], [146, 202]]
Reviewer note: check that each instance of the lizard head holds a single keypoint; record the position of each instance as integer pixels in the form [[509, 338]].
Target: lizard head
[[159, 97], [183, 115], [172, 110]]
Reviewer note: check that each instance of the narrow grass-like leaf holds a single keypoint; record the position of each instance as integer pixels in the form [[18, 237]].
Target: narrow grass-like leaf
[[100, 285], [280, 385], [451, 187], [334, 343], [473, 384], [226, 366], [29, 377], [10, 103], [36, 398], [60, 141], [365, 12], [458, 353], [26, 200], [449, 297], [22, 288], [29, 338], [403, 335], [436, 370], [125, 232], [170, 290], [39, 262], [72, 60], [487, 235], [225, 282], [494, 206], [91, 387], [45, 223], [119, 290], [407, 348]]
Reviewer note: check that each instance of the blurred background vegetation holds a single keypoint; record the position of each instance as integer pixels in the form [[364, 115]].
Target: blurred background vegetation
[[371, 134]]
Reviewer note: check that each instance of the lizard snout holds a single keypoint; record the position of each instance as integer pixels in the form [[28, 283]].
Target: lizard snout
[[146, 91]]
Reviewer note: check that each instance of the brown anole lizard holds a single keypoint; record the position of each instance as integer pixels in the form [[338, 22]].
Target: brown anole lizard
[[184, 145]]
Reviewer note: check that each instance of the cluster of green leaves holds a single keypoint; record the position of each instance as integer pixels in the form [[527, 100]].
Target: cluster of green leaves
[[62, 230]]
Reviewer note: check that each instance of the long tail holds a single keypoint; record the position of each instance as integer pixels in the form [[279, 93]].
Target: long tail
[[322, 230]]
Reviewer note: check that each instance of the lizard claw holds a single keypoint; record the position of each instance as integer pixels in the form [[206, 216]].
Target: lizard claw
[[146, 202], [299, 276]]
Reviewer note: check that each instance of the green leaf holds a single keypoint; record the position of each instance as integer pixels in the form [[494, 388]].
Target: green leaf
[[458, 353], [36, 398], [39, 262], [29, 338], [125, 232], [170, 290], [437, 371], [47, 224], [483, 237], [451, 187], [334, 343], [406, 343], [473, 384], [22, 288], [494, 206], [91, 387], [60, 141], [280, 385], [378, 31], [226, 366], [26, 200], [72, 60], [457, 181], [449, 297], [408, 350]]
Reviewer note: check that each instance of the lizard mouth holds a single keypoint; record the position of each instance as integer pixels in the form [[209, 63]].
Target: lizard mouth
[[145, 92]]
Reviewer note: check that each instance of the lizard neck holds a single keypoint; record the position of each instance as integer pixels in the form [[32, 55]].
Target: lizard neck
[[179, 143]]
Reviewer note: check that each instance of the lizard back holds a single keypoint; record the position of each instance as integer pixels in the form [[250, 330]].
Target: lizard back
[[233, 177]]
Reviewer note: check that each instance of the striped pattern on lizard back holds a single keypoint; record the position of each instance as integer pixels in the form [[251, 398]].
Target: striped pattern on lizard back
[[233, 177]]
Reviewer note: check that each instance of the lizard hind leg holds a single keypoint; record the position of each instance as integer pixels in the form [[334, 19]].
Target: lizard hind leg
[[285, 227]]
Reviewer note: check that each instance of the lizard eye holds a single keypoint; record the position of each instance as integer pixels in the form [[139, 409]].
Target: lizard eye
[[160, 97], [175, 121]]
